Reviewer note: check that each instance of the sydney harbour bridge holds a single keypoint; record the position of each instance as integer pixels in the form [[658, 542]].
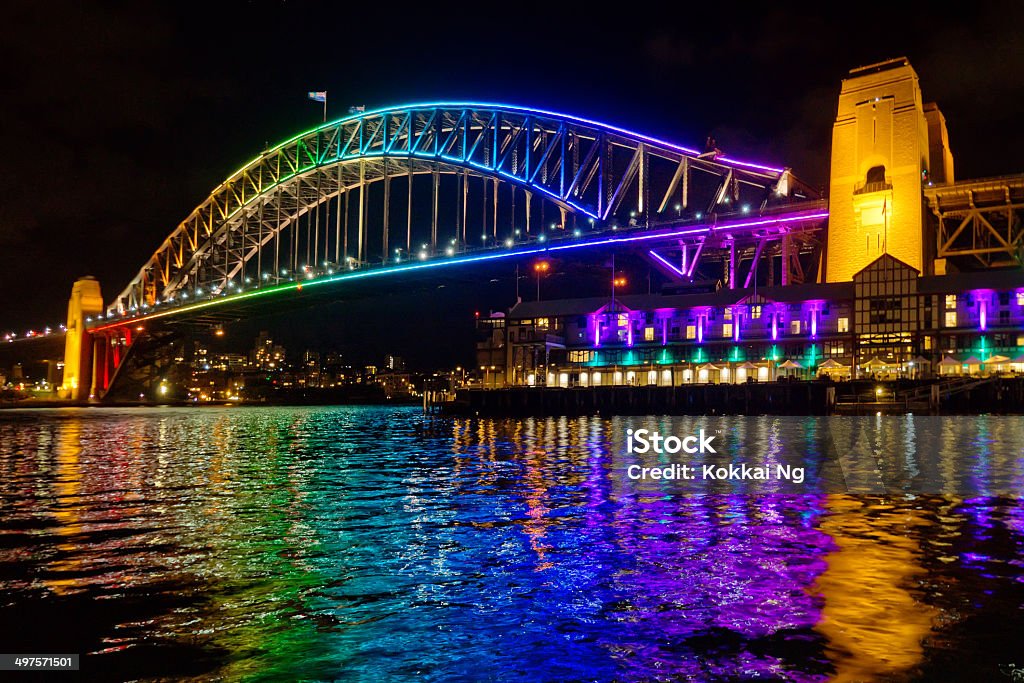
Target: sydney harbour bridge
[[412, 194], [408, 192]]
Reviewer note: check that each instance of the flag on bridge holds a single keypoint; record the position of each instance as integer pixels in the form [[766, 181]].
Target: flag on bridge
[[357, 110], [318, 96]]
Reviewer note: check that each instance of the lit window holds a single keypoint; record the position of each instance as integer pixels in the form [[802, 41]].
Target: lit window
[[844, 324], [927, 343], [755, 312], [581, 356], [951, 319], [542, 322], [728, 314], [727, 329], [1020, 298], [794, 327], [691, 331], [951, 301], [648, 334], [623, 319], [1020, 340]]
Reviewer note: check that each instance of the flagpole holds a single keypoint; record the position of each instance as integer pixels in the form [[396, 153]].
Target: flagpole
[[885, 226], [325, 106]]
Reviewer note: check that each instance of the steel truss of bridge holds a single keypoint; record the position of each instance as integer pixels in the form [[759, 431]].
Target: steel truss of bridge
[[429, 181], [982, 220]]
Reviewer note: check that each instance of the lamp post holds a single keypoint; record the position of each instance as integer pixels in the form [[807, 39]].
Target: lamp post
[[539, 268]]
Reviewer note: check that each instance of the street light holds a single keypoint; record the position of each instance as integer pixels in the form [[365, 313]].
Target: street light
[[540, 267]]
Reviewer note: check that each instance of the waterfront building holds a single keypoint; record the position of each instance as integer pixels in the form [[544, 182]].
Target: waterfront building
[[919, 277], [888, 322]]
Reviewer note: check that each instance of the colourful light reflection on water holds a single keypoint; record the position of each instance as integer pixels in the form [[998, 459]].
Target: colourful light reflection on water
[[376, 544]]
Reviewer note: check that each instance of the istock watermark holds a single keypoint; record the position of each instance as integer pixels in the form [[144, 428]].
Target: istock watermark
[[700, 443], [648, 441]]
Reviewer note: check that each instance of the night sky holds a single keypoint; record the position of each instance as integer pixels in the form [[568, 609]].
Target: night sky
[[117, 121]]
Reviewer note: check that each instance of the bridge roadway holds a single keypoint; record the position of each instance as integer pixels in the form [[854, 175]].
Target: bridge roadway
[[460, 267]]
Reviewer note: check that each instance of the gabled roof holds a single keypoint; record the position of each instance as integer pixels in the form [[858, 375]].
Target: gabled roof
[[885, 257]]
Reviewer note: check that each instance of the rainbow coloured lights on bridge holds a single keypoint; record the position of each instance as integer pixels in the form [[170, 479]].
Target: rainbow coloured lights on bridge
[[559, 158], [566, 243], [532, 111]]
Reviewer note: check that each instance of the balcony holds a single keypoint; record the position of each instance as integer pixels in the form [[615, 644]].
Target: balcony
[[868, 188]]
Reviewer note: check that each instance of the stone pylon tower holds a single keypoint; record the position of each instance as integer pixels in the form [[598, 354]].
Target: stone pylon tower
[[882, 142], [86, 300]]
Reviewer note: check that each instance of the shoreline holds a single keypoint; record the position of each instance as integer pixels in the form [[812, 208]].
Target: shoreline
[[996, 395]]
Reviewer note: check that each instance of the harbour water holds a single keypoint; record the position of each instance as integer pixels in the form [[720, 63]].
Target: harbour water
[[379, 544]]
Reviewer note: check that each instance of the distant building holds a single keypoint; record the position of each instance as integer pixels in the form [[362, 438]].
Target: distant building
[[395, 384], [235, 362], [394, 363], [200, 356], [266, 355]]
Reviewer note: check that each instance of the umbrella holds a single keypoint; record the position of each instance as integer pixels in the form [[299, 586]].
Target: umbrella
[[971, 360], [996, 360], [875, 361], [708, 366], [748, 366], [949, 360], [791, 364], [832, 364]]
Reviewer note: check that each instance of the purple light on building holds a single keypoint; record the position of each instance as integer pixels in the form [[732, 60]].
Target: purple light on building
[[597, 330], [775, 326], [629, 331], [736, 318], [700, 329], [982, 296]]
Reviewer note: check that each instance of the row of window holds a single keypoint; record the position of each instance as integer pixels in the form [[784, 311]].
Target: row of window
[[1004, 299]]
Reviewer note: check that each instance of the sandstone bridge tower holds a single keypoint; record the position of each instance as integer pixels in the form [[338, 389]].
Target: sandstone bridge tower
[[887, 145]]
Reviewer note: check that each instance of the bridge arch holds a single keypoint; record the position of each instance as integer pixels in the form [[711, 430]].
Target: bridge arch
[[288, 213]]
